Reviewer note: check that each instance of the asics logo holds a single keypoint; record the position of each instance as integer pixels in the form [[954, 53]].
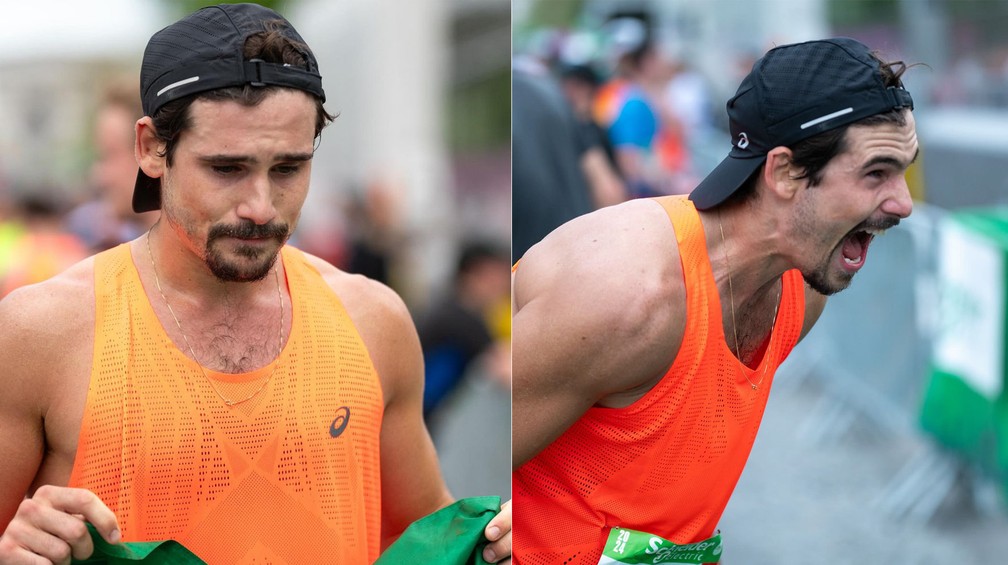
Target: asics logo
[[743, 140], [341, 421]]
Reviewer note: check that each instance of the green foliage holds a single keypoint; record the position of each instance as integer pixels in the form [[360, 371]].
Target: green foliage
[[183, 7], [479, 113], [555, 13], [859, 12]]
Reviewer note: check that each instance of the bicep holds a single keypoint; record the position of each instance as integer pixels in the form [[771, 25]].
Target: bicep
[[412, 486], [22, 446], [552, 380], [22, 442]]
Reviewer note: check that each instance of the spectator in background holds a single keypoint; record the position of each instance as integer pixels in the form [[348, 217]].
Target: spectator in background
[[548, 184], [687, 97], [41, 249], [375, 230], [457, 332], [108, 219], [649, 147], [580, 83]]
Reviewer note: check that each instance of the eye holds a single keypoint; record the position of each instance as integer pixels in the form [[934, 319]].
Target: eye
[[287, 170], [878, 174], [225, 169]]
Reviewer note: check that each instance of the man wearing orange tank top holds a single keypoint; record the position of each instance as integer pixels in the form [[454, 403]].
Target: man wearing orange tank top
[[646, 334], [212, 392]]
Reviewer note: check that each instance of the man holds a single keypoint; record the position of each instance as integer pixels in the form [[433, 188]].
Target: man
[[646, 335], [548, 183], [204, 382], [109, 220], [580, 83], [456, 332], [648, 146]]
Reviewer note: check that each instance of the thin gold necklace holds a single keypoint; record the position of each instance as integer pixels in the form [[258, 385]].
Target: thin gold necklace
[[731, 292], [276, 361]]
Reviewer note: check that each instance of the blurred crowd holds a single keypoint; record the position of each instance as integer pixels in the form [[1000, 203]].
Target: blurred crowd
[[608, 115]]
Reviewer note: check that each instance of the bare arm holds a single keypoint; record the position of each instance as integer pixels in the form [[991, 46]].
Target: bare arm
[[46, 327], [599, 308], [606, 185], [412, 486], [22, 405]]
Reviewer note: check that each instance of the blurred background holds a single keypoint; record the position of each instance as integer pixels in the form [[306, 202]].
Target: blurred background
[[886, 436], [410, 184]]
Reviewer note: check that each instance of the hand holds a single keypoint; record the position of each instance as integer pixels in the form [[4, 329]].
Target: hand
[[498, 531], [51, 525]]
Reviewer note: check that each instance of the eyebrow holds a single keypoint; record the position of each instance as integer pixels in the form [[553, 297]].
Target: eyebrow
[[891, 161], [242, 159]]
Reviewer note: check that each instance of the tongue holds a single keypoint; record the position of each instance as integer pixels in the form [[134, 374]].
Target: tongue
[[853, 248]]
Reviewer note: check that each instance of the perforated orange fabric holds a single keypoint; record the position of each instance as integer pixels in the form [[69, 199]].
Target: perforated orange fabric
[[668, 463], [292, 476]]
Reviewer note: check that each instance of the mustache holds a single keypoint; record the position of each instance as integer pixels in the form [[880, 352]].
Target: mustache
[[249, 230], [883, 223]]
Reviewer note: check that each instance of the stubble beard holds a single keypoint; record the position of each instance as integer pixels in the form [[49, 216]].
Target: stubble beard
[[253, 262], [824, 279]]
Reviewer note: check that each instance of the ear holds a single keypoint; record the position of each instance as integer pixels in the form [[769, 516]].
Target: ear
[[780, 174], [148, 149]]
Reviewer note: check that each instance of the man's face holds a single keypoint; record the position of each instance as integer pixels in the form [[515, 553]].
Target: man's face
[[115, 168], [863, 191], [238, 180]]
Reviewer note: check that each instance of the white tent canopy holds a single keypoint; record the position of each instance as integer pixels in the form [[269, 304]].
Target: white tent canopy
[[71, 29]]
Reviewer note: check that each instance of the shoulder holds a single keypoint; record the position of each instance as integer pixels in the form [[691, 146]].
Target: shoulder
[[55, 307], [613, 277], [365, 299], [382, 320], [620, 252], [55, 315]]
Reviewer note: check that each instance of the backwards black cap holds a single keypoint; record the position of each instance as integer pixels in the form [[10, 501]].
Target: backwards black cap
[[792, 93], [203, 51]]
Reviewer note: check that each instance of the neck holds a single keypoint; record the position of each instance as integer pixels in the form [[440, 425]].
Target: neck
[[186, 273], [751, 243]]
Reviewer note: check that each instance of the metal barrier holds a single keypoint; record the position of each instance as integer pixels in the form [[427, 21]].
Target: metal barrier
[[870, 353]]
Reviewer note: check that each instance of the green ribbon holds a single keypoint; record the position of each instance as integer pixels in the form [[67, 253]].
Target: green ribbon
[[450, 536], [626, 547], [130, 553]]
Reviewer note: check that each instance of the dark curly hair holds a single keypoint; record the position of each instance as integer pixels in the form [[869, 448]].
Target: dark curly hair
[[173, 119], [813, 154]]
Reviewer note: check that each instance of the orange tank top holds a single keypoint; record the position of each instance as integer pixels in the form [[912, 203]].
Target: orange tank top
[[668, 463], [291, 476]]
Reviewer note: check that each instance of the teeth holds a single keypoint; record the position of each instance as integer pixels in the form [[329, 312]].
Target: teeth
[[852, 261], [875, 231]]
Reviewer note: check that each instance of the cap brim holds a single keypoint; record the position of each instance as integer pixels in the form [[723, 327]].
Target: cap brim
[[724, 180], [146, 193]]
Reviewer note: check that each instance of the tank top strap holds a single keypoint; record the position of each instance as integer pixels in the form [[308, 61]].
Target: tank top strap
[[689, 236]]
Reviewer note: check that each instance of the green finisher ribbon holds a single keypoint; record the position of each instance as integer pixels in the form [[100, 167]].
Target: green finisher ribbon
[[450, 536], [625, 547], [136, 552]]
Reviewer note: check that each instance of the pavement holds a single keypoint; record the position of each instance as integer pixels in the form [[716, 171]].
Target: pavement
[[811, 498]]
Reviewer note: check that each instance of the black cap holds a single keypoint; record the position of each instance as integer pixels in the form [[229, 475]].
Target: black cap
[[792, 93], [203, 51]]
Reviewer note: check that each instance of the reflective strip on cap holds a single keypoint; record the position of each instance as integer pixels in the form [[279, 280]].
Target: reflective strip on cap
[[177, 84], [822, 119]]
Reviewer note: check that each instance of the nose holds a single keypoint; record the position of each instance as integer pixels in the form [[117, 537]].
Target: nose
[[257, 202], [899, 203]]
